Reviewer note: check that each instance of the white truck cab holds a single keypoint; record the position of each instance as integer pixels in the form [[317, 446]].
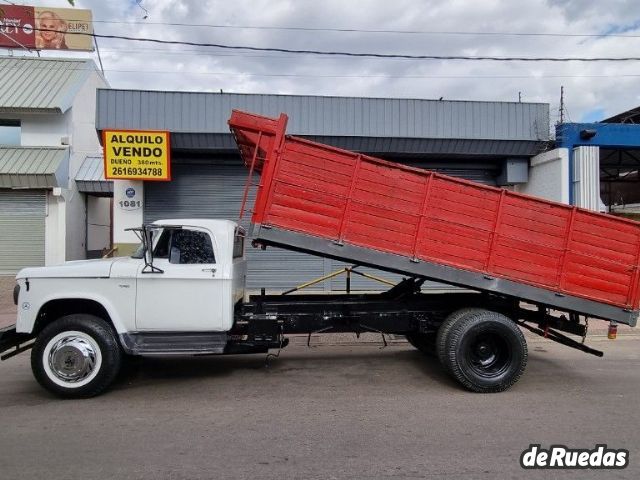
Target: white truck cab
[[176, 297], [199, 277]]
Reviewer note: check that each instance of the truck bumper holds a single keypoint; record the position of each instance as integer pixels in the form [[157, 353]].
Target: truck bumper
[[10, 339]]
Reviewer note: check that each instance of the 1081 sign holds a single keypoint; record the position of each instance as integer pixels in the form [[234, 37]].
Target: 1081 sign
[[130, 203]]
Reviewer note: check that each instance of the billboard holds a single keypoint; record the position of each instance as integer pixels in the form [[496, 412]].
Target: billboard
[[136, 155], [43, 28]]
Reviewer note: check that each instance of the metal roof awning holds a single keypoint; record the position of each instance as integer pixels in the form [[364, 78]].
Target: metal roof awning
[[34, 167], [46, 85], [90, 177]]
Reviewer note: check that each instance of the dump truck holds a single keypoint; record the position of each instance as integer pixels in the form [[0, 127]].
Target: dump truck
[[522, 263]]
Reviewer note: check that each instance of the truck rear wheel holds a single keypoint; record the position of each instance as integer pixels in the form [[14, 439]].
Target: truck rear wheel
[[485, 351], [425, 342], [445, 328], [76, 356]]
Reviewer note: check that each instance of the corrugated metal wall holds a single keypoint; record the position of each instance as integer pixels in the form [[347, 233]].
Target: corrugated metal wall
[[22, 223], [316, 115], [586, 177], [214, 188]]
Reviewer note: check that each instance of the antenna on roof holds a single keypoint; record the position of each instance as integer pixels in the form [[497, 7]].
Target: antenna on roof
[[561, 104]]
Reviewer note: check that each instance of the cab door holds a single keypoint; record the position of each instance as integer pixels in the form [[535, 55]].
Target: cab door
[[187, 296]]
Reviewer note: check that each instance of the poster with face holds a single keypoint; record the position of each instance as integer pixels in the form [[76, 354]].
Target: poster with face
[[62, 29], [45, 28]]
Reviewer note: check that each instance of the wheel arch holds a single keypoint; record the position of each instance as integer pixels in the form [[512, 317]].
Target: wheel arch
[[54, 308]]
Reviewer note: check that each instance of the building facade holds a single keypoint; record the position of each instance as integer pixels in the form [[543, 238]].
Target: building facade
[[47, 131]]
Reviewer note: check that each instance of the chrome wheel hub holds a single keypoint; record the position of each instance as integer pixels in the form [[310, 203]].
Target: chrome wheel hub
[[72, 358]]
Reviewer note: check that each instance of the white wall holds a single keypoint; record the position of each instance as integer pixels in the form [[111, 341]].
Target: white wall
[[55, 228], [44, 130], [124, 217], [586, 177], [83, 140], [548, 176]]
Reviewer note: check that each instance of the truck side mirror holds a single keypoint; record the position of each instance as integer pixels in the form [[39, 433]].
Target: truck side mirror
[[148, 252]]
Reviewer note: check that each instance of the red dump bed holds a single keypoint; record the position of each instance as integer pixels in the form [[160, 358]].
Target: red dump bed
[[356, 200]]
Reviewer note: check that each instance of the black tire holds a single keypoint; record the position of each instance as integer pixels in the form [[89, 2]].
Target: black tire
[[445, 328], [76, 356], [425, 342], [485, 351]]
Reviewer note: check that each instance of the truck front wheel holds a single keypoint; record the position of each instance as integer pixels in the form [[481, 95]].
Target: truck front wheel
[[76, 356], [485, 351]]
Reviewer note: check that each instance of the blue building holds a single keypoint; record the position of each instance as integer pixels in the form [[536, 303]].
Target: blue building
[[604, 162]]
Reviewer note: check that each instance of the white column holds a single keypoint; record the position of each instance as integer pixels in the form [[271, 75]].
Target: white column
[[128, 205], [55, 228], [586, 177]]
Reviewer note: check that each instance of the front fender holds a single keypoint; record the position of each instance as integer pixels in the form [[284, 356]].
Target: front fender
[[118, 303]]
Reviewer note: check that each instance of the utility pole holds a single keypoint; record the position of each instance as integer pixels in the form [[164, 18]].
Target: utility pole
[[561, 104]]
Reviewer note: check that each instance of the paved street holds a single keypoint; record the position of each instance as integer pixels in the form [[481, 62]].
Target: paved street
[[348, 411]]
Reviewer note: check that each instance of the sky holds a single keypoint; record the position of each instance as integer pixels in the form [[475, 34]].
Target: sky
[[593, 91]]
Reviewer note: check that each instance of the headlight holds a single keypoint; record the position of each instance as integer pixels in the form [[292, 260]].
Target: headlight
[[16, 293]]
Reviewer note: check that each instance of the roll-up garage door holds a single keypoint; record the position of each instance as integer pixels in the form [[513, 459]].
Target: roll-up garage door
[[214, 190], [22, 223]]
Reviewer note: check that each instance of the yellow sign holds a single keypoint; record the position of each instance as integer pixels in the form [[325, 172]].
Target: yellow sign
[[136, 155]]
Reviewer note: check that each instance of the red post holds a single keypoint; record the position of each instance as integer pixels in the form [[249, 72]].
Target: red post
[[632, 301], [495, 234], [567, 241], [423, 214], [269, 169], [347, 204], [248, 184]]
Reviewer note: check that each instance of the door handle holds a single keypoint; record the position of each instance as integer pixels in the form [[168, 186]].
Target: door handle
[[212, 270]]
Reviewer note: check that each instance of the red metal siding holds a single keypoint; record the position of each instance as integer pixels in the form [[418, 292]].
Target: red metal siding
[[346, 197]]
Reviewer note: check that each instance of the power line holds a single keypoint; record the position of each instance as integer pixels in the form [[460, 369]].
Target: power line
[[298, 75], [374, 31], [352, 54], [311, 75]]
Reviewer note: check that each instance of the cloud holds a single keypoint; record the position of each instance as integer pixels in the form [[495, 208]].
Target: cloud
[[588, 86]]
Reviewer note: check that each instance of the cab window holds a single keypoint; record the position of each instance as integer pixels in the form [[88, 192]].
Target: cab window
[[189, 247]]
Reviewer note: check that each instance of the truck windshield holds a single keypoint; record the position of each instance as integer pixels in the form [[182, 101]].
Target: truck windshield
[[160, 246], [139, 251]]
